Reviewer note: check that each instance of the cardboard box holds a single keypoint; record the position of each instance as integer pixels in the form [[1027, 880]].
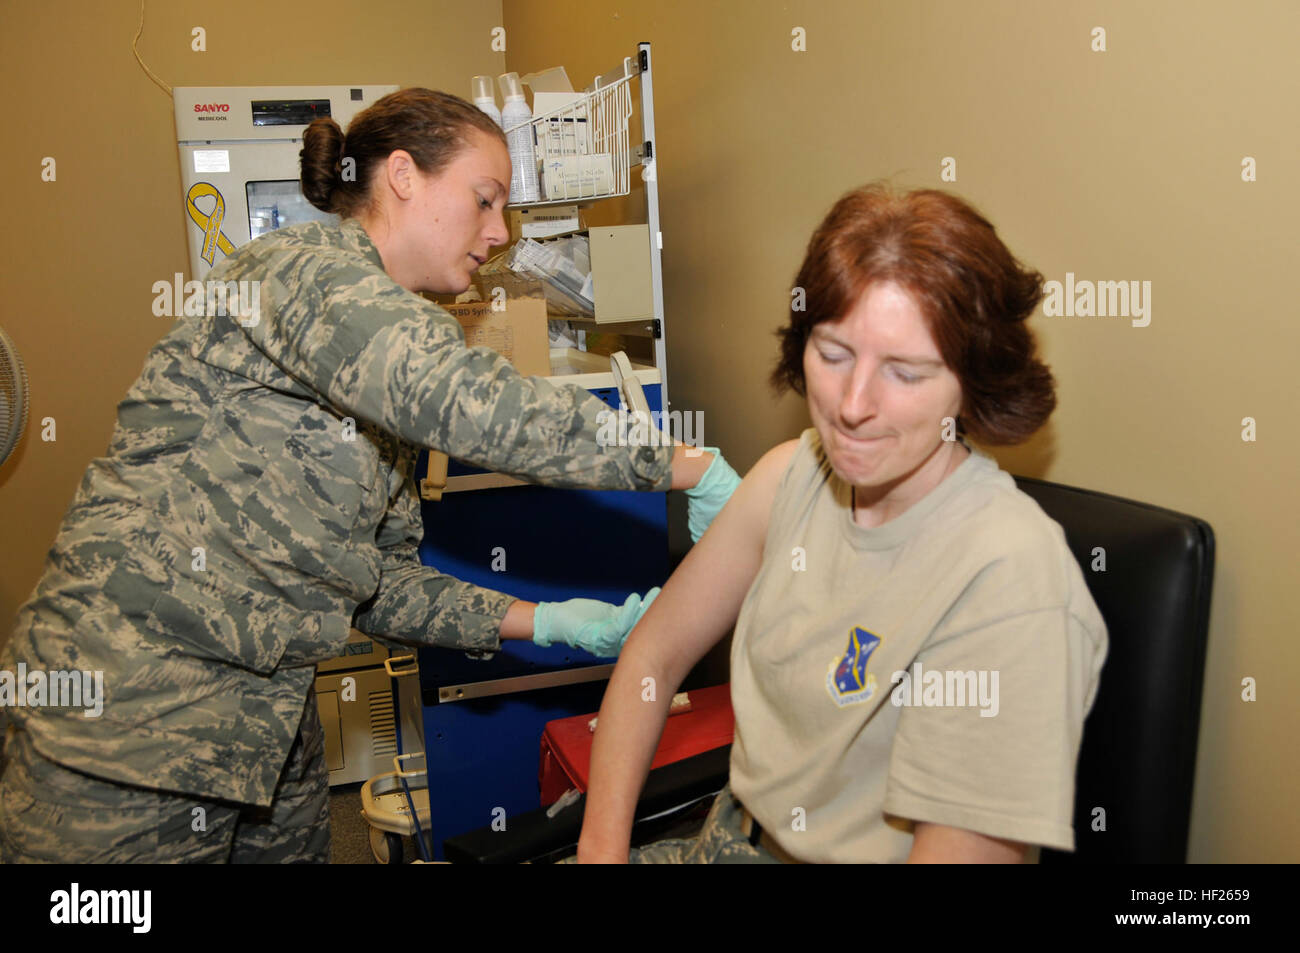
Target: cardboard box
[[567, 132], [513, 326], [575, 177]]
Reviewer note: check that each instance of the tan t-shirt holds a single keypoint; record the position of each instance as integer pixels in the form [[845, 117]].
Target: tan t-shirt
[[976, 586]]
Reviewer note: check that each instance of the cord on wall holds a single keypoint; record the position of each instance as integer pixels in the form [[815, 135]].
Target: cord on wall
[[165, 88]]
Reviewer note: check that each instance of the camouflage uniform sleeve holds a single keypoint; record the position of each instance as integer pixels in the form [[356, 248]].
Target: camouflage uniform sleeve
[[385, 355], [417, 604]]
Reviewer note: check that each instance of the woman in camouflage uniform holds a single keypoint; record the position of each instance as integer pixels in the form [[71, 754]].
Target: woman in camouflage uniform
[[258, 500]]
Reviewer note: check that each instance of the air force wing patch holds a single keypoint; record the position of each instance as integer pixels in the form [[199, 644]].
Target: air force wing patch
[[848, 680]]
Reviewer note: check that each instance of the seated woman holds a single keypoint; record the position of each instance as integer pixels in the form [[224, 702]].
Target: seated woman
[[915, 647]]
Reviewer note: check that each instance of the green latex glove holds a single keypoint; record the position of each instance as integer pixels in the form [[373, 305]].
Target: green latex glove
[[589, 624], [710, 495]]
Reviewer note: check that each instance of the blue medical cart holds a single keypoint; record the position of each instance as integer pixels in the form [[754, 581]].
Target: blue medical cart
[[483, 719]]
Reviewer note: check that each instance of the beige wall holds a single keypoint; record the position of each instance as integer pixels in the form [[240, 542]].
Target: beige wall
[[1116, 166], [1119, 165]]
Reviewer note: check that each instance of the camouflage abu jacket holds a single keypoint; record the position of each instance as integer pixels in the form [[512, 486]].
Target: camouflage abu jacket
[[234, 531]]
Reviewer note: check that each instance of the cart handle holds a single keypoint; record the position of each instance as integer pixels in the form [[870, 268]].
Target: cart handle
[[395, 660], [397, 765]]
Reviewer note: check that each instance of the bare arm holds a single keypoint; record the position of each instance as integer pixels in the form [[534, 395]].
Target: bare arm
[[696, 608], [687, 469], [518, 621], [940, 844]]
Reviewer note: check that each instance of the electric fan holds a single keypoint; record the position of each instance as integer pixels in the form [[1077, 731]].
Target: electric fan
[[13, 397]]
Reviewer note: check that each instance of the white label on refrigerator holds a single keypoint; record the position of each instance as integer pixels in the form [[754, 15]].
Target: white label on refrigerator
[[211, 160]]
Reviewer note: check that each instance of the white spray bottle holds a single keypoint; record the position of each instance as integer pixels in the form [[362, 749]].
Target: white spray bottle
[[523, 158], [485, 97]]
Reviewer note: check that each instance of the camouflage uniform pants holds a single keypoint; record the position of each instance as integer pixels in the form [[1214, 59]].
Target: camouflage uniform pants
[[720, 841], [50, 814]]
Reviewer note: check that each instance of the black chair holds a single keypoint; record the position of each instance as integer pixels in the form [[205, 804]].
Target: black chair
[[1138, 754]]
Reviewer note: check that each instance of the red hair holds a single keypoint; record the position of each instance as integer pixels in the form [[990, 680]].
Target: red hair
[[973, 293]]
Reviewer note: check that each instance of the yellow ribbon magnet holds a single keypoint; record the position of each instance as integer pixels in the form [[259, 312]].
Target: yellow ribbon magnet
[[213, 237]]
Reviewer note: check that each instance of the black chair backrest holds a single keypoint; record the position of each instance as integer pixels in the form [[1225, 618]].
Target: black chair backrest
[[1138, 753]]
